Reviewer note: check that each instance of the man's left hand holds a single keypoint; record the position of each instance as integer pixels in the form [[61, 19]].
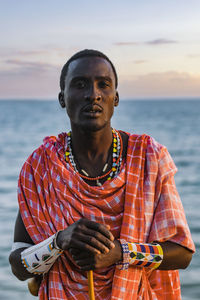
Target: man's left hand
[[90, 261]]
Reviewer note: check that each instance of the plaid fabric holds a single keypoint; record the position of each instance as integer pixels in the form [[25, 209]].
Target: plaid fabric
[[52, 196]]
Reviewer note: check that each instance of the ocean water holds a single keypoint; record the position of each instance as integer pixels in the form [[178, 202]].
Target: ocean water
[[174, 123]]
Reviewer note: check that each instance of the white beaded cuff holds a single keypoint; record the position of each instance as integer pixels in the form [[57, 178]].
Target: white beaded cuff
[[39, 258]]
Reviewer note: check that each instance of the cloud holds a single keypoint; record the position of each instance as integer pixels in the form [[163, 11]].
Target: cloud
[[139, 61], [31, 52], [193, 56], [9, 52], [45, 52], [160, 42], [27, 79], [29, 69], [31, 74], [155, 42], [166, 84], [29, 64], [126, 44]]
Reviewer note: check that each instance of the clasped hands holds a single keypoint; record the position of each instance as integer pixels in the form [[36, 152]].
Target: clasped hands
[[90, 244]]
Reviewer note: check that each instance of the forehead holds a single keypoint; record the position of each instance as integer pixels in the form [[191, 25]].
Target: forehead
[[90, 67]]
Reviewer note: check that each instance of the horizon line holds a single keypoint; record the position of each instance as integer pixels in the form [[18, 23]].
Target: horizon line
[[122, 99]]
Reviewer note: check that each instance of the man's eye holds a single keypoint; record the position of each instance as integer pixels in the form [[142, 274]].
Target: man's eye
[[80, 84], [104, 84]]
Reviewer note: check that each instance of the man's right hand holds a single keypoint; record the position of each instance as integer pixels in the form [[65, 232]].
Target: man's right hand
[[86, 235]]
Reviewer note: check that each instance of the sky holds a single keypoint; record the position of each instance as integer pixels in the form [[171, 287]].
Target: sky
[[154, 45]]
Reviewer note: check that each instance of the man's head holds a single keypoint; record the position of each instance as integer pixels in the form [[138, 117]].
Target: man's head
[[88, 90], [84, 53]]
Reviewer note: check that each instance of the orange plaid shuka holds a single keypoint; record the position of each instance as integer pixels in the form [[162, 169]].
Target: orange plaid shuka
[[141, 205]]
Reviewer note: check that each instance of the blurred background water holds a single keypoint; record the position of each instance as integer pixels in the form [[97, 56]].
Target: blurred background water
[[174, 123]]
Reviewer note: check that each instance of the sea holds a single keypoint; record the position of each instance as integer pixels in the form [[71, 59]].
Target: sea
[[173, 123]]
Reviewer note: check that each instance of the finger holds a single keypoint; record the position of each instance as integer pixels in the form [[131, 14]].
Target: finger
[[100, 237], [85, 262], [85, 266], [84, 246], [100, 228], [85, 243], [83, 255], [84, 239], [74, 251], [93, 242]]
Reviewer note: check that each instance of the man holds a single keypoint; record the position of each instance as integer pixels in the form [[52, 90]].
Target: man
[[99, 199]]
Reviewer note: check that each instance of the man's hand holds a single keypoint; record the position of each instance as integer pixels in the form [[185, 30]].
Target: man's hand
[[86, 236], [91, 261]]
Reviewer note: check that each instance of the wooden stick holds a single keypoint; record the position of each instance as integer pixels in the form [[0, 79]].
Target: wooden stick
[[90, 285]]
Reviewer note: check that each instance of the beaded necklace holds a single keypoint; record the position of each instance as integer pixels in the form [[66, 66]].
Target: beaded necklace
[[117, 146]]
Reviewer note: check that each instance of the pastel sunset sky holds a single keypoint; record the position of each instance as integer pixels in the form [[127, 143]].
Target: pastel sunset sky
[[154, 44]]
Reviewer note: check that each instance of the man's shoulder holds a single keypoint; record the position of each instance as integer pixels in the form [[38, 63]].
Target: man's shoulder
[[34, 159], [152, 145], [150, 141], [49, 142], [38, 154]]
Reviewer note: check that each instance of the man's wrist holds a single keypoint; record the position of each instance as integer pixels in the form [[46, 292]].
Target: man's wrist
[[119, 251], [57, 241]]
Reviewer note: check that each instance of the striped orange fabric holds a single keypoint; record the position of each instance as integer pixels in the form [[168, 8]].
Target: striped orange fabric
[[141, 205]]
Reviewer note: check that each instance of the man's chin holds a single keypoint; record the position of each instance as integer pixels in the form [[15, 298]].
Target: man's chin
[[90, 127]]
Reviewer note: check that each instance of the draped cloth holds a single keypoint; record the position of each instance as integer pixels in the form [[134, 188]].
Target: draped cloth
[[141, 204]]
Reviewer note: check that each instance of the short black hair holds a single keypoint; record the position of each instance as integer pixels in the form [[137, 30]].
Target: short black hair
[[84, 53]]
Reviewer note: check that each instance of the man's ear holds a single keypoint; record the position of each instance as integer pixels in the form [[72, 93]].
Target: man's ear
[[61, 99], [116, 99]]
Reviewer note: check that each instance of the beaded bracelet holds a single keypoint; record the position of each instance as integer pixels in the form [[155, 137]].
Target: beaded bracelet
[[141, 255]]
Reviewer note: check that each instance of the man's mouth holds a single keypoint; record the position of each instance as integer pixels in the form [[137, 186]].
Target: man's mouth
[[92, 109]]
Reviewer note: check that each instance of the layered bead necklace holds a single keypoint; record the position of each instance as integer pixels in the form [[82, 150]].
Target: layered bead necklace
[[117, 147]]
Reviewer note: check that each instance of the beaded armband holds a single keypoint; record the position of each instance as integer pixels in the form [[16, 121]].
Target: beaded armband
[[39, 258], [141, 255]]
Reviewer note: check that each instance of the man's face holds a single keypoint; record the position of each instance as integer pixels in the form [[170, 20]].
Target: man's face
[[90, 94]]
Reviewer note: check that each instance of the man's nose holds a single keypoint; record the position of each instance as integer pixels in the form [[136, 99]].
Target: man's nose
[[93, 93]]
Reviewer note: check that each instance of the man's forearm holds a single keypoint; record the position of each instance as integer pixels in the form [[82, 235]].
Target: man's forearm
[[164, 256], [175, 256], [36, 259]]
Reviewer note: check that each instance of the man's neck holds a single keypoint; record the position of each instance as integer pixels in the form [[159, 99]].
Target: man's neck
[[91, 144], [92, 150]]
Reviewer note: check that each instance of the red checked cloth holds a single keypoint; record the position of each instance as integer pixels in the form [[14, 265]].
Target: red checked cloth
[[141, 205]]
